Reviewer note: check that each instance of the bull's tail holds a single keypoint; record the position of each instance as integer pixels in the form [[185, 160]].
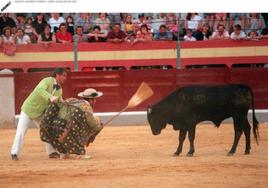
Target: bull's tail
[[254, 119]]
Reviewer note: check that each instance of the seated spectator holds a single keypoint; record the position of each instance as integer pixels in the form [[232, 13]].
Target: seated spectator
[[254, 22], [220, 33], [70, 24], [21, 38], [238, 18], [138, 23], [264, 32], [6, 21], [85, 21], [63, 36], [79, 35], [46, 37], [193, 21], [8, 42], [144, 35], [189, 36], [157, 22], [237, 34], [220, 18], [116, 35], [253, 35], [163, 34], [39, 23], [129, 26], [96, 35], [20, 21], [203, 34], [30, 31], [55, 21], [103, 22], [209, 19]]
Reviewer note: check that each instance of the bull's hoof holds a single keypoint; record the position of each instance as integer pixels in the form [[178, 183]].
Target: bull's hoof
[[230, 154], [176, 154], [190, 154], [247, 152]]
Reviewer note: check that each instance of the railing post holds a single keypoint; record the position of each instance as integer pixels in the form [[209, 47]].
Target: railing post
[[75, 53]]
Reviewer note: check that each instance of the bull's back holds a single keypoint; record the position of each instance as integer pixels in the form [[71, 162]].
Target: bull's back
[[209, 102]]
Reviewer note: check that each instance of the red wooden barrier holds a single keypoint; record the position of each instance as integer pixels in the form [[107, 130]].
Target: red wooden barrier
[[119, 86], [156, 53]]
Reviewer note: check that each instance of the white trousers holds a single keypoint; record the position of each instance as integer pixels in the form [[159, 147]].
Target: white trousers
[[22, 128]]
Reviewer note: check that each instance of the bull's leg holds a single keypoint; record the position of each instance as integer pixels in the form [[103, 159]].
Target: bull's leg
[[237, 135], [181, 140], [246, 129], [191, 137]]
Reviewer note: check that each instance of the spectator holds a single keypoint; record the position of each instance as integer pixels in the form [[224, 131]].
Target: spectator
[[80, 36], [115, 17], [264, 32], [193, 21], [8, 40], [39, 23], [253, 35], [70, 24], [255, 22], [96, 35], [203, 34], [163, 34], [157, 22], [189, 36], [30, 31], [209, 19], [46, 37], [144, 35], [55, 21], [237, 34], [85, 21], [103, 22], [170, 20], [238, 18], [20, 21], [138, 23], [220, 33], [6, 21], [21, 38], [63, 36], [129, 26], [116, 35], [220, 18]]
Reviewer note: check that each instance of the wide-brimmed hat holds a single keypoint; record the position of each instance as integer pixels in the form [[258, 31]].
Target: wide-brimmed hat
[[90, 93]]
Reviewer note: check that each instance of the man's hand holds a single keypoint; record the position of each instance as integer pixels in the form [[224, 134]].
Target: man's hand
[[54, 99]]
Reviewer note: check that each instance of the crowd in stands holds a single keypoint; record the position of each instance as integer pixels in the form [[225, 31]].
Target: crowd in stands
[[129, 27]]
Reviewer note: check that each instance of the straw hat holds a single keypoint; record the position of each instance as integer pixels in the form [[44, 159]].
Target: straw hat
[[90, 93]]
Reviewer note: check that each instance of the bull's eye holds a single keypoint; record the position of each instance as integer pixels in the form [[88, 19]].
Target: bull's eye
[[149, 110]]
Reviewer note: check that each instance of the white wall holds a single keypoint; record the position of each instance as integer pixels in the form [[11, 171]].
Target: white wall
[[7, 99]]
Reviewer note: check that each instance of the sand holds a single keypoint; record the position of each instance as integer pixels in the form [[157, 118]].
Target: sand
[[130, 156]]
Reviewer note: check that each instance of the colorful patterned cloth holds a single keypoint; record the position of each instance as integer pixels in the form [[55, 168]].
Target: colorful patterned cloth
[[69, 126]]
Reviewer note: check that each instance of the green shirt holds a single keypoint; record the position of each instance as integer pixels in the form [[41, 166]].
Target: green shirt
[[37, 102]]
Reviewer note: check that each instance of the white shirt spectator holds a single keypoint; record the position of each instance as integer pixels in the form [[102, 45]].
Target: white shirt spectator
[[187, 38], [25, 39], [193, 23], [239, 36], [55, 23]]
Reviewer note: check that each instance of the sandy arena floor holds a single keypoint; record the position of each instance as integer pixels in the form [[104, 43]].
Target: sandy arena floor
[[130, 156]]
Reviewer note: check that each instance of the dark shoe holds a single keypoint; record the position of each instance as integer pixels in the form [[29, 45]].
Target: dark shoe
[[54, 155], [14, 157]]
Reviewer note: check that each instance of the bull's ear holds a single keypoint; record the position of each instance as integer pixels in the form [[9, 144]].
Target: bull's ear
[[149, 109]]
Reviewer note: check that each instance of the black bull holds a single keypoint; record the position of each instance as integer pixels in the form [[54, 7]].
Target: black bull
[[188, 106]]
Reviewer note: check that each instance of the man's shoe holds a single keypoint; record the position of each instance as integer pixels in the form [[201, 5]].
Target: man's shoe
[[54, 155], [14, 157]]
